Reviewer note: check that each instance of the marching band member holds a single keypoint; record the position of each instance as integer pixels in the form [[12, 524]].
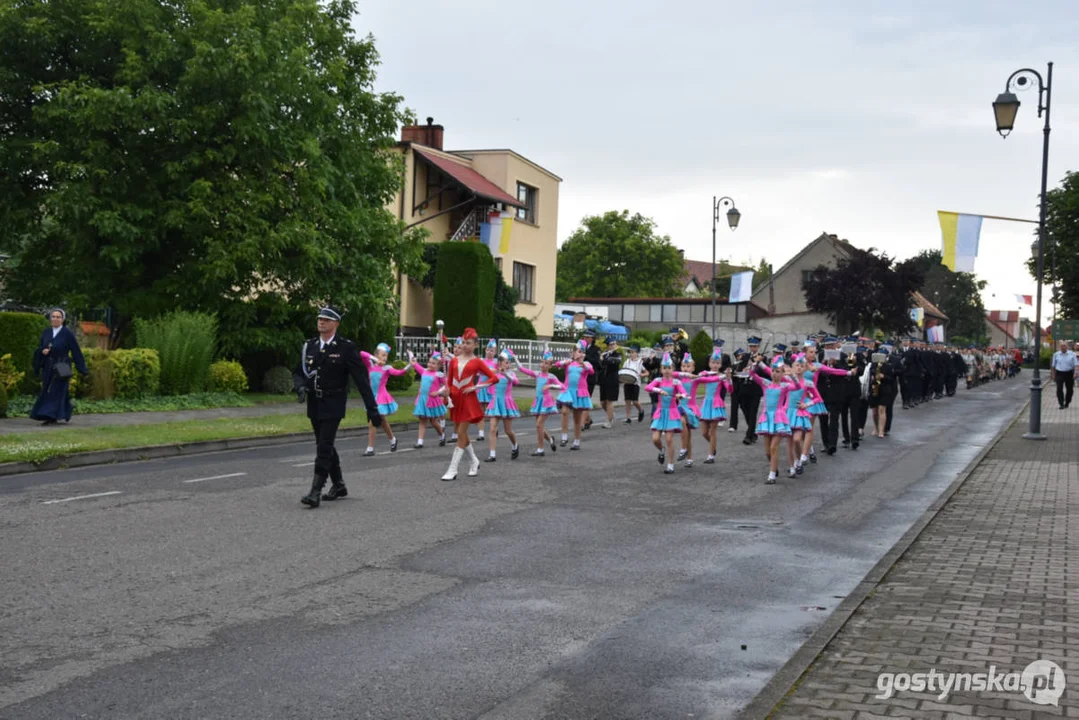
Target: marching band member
[[666, 420], [464, 371], [502, 407], [544, 404], [429, 405], [380, 371]]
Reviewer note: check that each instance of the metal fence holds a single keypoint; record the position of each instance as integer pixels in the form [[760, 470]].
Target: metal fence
[[529, 352]]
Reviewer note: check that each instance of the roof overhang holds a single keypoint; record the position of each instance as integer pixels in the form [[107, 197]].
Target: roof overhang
[[466, 178]]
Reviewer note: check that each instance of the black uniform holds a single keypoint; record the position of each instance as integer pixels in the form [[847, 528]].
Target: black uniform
[[610, 363], [843, 410], [749, 396], [591, 356], [323, 374], [652, 365], [912, 377], [830, 388], [951, 377]]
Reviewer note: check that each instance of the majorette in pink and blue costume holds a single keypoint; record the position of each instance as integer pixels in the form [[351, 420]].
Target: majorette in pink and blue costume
[[666, 417], [575, 393], [688, 405], [811, 379], [544, 404], [773, 417], [429, 403], [712, 406], [800, 419], [502, 404], [484, 394], [380, 375]]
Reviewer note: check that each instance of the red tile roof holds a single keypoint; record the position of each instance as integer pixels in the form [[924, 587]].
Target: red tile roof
[[1005, 316], [468, 177]]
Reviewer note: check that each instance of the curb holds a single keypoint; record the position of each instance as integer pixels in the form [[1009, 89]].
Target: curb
[[153, 452], [792, 671]]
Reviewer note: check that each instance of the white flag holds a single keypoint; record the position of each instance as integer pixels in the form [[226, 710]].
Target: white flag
[[741, 287]]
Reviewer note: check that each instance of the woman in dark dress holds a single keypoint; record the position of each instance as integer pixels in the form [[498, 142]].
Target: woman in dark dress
[[53, 359]]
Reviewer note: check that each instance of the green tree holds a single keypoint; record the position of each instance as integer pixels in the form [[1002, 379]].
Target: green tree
[[957, 294], [222, 156], [864, 290], [618, 255], [1062, 250]]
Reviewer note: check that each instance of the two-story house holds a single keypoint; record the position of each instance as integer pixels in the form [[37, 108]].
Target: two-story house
[[451, 193]]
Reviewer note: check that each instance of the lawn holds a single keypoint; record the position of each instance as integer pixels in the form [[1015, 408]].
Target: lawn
[[42, 445]]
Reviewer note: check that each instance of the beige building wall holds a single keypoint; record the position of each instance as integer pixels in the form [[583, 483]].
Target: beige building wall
[[788, 283], [997, 337]]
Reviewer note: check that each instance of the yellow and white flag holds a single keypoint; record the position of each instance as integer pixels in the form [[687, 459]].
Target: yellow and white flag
[[959, 237]]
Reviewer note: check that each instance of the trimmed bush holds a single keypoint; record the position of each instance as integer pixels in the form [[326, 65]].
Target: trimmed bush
[[277, 380], [227, 376], [10, 377], [185, 343], [98, 381], [135, 372], [700, 347], [401, 383], [19, 335], [508, 325], [465, 287]]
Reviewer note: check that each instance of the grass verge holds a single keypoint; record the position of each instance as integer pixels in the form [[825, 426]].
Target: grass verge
[[40, 446]]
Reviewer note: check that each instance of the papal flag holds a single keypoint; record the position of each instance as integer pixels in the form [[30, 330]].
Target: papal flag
[[959, 237]]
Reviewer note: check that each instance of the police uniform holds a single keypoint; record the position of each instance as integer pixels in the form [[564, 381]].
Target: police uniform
[[322, 376], [749, 393]]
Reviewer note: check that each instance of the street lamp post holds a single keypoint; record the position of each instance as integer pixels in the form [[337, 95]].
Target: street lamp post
[[1005, 109], [733, 216]]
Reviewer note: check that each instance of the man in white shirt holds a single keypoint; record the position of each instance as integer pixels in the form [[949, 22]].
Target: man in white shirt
[[1062, 371]]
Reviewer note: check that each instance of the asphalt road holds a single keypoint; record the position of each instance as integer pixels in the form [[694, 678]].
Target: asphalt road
[[580, 585]]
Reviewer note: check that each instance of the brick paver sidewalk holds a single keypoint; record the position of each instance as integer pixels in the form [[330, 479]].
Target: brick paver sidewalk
[[993, 580]]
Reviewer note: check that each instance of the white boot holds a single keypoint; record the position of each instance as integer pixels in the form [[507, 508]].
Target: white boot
[[474, 468], [451, 472]]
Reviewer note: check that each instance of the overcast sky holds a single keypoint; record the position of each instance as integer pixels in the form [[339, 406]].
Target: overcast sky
[[859, 118]]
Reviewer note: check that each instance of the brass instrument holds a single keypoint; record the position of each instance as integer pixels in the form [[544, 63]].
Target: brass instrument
[[877, 378]]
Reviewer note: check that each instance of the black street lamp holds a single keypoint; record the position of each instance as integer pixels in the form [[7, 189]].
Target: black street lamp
[[1005, 109], [733, 216]]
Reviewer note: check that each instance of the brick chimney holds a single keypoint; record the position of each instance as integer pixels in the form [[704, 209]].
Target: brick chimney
[[429, 134]]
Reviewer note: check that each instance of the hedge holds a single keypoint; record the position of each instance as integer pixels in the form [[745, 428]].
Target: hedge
[[3, 402], [400, 383], [465, 287], [19, 335], [227, 376], [119, 373], [700, 347], [277, 380], [508, 325]]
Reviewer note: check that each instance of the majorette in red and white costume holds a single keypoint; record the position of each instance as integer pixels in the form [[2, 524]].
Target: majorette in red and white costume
[[465, 407]]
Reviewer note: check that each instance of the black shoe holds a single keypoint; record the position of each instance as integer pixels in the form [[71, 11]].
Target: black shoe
[[393, 445], [799, 469], [662, 458], [668, 471], [747, 441], [562, 442], [554, 448], [442, 441], [629, 421], [490, 458], [314, 497], [417, 446], [846, 443], [586, 425], [854, 446], [709, 461], [514, 452], [813, 458], [755, 438], [368, 453], [830, 451], [574, 447], [336, 491], [640, 415]]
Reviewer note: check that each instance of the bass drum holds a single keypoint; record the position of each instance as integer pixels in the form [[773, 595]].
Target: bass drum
[[628, 376]]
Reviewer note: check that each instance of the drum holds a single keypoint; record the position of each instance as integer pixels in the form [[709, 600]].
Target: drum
[[628, 376]]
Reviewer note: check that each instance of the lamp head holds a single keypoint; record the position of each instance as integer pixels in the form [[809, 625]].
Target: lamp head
[[733, 216], [1005, 108]]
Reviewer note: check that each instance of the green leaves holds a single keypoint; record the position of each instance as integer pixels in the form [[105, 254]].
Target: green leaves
[[618, 255], [1061, 262], [198, 155]]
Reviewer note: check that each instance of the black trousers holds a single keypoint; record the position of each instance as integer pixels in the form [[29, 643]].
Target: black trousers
[[1065, 386], [842, 413], [750, 402], [327, 463], [734, 406], [950, 382], [914, 388], [863, 413]]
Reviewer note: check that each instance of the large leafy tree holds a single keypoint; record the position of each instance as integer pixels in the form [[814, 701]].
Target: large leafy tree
[[864, 290], [618, 255], [1062, 250], [957, 294], [227, 156]]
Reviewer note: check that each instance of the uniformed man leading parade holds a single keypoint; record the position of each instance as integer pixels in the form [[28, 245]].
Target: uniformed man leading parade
[[326, 363]]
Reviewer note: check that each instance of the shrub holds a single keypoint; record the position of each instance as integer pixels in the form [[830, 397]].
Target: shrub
[[227, 376], [400, 383], [3, 401], [277, 380], [135, 372], [508, 325], [19, 336], [10, 377], [185, 343], [465, 287], [700, 347]]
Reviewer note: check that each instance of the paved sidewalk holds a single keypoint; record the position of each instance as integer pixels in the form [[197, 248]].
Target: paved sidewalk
[[993, 580]]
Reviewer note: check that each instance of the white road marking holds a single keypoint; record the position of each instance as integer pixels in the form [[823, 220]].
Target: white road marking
[[306, 464], [215, 477], [80, 497]]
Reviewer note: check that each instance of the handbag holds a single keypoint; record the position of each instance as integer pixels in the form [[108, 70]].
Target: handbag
[[62, 368]]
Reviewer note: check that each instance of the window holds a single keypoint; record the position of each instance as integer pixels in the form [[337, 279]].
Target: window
[[807, 277], [627, 313], [526, 195], [683, 313], [498, 264], [523, 279], [669, 313], [655, 313], [696, 313], [614, 312]]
